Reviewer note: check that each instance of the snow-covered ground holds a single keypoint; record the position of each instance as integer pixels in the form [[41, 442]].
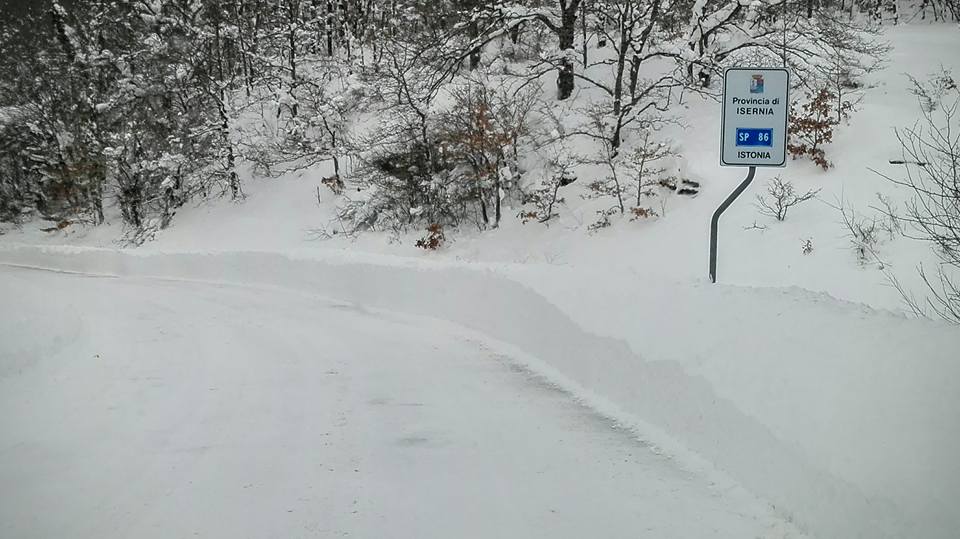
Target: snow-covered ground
[[795, 377], [147, 408], [841, 416]]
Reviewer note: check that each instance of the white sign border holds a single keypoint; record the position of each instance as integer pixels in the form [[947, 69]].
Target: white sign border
[[723, 116]]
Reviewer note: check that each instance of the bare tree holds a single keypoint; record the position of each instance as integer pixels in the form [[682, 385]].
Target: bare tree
[[643, 164], [563, 25], [771, 32], [781, 196], [558, 173], [941, 10], [933, 147], [631, 33], [483, 130]]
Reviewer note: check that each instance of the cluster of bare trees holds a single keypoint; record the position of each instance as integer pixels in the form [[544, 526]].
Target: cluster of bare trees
[[139, 102], [148, 103]]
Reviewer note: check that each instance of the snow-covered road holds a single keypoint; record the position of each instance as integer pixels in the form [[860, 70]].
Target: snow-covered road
[[151, 408]]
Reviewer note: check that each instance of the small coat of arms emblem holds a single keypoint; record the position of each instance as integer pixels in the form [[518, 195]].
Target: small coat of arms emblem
[[756, 84]]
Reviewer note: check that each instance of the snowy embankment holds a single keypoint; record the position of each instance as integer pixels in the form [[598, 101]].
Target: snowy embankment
[[841, 416]]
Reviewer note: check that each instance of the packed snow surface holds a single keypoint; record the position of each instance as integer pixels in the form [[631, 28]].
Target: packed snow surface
[[840, 416], [157, 408]]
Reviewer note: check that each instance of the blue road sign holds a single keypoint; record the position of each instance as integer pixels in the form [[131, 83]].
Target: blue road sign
[[754, 137]]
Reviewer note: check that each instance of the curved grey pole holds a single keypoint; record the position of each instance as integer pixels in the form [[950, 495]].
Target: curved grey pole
[[716, 221]]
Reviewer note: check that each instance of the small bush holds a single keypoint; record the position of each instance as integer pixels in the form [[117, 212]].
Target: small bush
[[864, 232], [434, 238], [334, 183], [811, 126], [527, 216], [544, 198], [642, 213], [781, 196], [603, 221]]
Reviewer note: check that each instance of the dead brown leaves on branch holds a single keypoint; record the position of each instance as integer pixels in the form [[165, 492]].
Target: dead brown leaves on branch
[[811, 126], [434, 239]]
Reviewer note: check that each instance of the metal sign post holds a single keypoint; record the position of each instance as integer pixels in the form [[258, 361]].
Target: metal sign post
[[715, 221], [753, 132]]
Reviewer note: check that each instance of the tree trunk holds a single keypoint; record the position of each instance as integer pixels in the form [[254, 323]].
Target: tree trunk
[[496, 193], [474, 33], [583, 27], [98, 201], [292, 43], [617, 137], [515, 33], [221, 84], [483, 204], [567, 30], [634, 76], [643, 162], [330, 27], [623, 48]]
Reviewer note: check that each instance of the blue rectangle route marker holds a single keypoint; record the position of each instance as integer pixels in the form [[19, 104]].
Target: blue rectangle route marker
[[754, 137]]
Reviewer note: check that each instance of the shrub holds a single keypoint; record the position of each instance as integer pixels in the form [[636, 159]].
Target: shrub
[[781, 196], [642, 213], [811, 126], [434, 238]]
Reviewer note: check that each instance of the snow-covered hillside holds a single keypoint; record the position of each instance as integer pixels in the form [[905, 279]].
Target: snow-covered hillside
[[284, 213], [796, 396]]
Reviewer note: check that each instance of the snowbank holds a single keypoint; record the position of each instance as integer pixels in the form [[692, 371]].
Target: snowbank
[[843, 417]]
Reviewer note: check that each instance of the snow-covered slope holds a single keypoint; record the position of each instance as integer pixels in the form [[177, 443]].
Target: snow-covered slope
[[281, 214]]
